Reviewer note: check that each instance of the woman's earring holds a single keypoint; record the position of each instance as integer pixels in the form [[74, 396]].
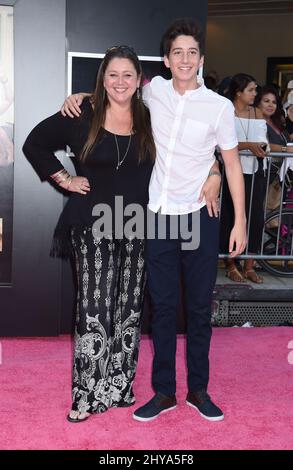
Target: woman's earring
[[138, 93]]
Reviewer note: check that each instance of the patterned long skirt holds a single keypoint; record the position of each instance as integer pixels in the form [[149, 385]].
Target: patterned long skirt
[[111, 281]]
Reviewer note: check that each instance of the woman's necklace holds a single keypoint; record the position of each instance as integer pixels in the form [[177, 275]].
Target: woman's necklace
[[119, 162], [284, 138], [277, 131], [245, 131]]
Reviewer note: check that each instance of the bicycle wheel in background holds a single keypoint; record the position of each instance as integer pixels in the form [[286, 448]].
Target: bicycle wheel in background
[[283, 268]]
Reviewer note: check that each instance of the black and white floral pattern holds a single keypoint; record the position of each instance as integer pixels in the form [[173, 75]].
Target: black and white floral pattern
[[111, 281]]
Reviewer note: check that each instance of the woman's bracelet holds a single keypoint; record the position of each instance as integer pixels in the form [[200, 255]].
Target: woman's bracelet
[[63, 179], [69, 182], [61, 176], [56, 176]]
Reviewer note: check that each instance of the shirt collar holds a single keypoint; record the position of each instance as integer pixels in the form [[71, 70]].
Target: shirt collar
[[191, 93]]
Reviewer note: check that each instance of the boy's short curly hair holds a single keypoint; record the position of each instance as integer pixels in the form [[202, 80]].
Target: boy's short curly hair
[[182, 27]]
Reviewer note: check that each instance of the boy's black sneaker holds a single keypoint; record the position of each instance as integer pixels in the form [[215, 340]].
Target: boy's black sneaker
[[202, 402], [152, 409]]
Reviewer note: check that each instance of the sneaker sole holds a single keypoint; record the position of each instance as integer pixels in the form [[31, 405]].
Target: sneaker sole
[[143, 420], [209, 418]]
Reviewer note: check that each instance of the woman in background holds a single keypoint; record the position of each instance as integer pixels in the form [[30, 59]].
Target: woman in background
[[251, 131], [289, 115], [269, 103]]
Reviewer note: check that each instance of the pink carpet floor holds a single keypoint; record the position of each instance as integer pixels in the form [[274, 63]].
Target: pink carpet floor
[[251, 378]]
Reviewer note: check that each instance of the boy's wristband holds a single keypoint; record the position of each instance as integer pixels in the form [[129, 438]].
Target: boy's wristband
[[214, 173]]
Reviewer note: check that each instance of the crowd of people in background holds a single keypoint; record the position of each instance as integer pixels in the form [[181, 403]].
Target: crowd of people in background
[[264, 124]]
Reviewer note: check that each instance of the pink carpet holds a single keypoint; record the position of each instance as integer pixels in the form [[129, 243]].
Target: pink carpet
[[251, 378]]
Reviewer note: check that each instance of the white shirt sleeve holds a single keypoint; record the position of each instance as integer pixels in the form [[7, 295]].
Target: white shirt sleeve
[[146, 93], [225, 128]]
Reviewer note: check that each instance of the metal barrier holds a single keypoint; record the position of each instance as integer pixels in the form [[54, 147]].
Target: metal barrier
[[277, 233]]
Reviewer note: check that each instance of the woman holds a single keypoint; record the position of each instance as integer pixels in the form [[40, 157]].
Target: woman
[[269, 103], [113, 143], [288, 90], [251, 132], [289, 115]]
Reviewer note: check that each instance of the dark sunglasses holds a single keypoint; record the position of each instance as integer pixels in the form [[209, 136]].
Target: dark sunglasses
[[122, 48]]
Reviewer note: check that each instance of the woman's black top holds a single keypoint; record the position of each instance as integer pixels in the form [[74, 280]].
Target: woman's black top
[[277, 138], [130, 181], [289, 125]]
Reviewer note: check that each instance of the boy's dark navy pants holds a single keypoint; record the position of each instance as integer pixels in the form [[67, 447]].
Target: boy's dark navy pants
[[165, 261]]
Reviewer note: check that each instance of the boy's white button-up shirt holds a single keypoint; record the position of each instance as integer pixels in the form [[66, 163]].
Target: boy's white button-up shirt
[[186, 129]]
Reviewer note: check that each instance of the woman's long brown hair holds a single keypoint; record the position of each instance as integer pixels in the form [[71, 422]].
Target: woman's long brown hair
[[140, 113]]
